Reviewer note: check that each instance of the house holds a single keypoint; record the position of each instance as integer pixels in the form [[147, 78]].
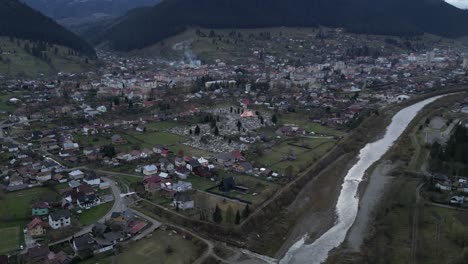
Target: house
[[166, 165], [74, 184], [179, 162], [192, 164], [69, 145], [92, 179], [182, 172], [140, 128], [223, 158], [40, 209], [83, 244], [137, 226], [182, 200], [152, 183], [203, 161], [37, 227], [88, 200], [165, 152], [229, 184], [37, 254], [118, 140], [182, 186], [150, 169], [89, 130], [158, 149], [244, 167], [15, 180], [59, 219], [59, 258], [76, 175], [44, 176]]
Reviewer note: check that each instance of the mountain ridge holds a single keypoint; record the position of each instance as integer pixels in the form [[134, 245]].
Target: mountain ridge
[[21, 21], [388, 17]]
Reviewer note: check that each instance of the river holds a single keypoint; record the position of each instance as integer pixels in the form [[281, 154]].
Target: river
[[348, 200]]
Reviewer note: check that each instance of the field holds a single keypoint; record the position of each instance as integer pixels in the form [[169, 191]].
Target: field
[[259, 189], [306, 151], [10, 239], [17, 62], [4, 105], [90, 216], [161, 247], [16, 206], [299, 120]]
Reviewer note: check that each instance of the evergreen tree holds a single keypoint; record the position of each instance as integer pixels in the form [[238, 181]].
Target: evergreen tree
[[274, 119], [197, 131], [216, 132], [238, 218], [229, 215], [217, 215], [246, 211]]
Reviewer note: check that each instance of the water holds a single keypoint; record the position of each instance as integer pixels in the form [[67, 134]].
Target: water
[[347, 204]]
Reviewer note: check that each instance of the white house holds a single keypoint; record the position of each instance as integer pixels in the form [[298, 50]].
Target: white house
[[76, 174], [150, 169], [92, 180], [59, 219]]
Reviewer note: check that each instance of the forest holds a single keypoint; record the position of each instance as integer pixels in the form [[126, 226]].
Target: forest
[[20, 21], [147, 26], [451, 159]]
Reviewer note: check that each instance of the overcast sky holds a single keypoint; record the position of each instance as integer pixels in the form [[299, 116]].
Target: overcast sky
[[458, 3]]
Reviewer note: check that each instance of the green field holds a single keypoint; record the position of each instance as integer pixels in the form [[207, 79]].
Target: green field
[[16, 206], [200, 183], [259, 189], [4, 105], [10, 239], [299, 120], [161, 248], [149, 139], [273, 158], [91, 216], [15, 61]]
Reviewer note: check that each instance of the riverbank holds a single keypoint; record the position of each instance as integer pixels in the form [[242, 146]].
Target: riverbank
[[316, 222], [375, 191]]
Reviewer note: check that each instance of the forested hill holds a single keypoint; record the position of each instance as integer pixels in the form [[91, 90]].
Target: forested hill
[[20, 21], [392, 17]]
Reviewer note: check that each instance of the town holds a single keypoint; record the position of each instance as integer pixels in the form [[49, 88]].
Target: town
[[95, 163]]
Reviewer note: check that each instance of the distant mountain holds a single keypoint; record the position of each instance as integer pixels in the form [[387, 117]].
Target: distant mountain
[[76, 14], [20, 21], [147, 26]]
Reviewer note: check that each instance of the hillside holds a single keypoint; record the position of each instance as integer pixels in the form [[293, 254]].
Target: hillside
[[24, 58], [79, 15], [147, 26], [20, 21]]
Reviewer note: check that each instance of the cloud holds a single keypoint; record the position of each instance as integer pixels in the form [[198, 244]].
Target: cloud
[[458, 3]]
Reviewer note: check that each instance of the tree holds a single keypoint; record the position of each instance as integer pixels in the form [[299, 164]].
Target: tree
[[216, 132], [229, 215], [108, 151], [239, 125], [116, 100], [190, 131], [180, 153], [289, 172], [274, 119], [238, 218], [218, 215], [197, 131], [246, 211], [212, 34]]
